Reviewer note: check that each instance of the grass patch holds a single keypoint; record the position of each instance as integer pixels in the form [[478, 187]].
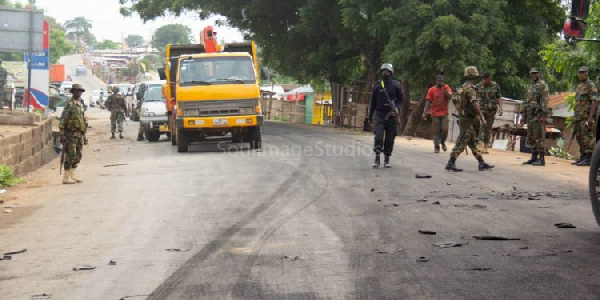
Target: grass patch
[[8, 177]]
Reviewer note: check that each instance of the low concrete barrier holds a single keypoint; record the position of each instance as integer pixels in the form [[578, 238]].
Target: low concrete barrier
[[30, 149]]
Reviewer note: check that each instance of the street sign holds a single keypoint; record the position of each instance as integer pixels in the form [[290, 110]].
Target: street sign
[[15, 26]]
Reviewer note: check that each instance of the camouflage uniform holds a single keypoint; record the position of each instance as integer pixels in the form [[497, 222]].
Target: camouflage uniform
[[469, 124], [489, 96], [584, 95], [117, 106], [72, 123], [534, 109], [3, 76]]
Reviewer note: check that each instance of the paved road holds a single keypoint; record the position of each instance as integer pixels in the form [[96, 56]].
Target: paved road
[[306, 218]]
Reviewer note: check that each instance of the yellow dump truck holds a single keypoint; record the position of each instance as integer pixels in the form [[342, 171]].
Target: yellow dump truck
[[213, 94]]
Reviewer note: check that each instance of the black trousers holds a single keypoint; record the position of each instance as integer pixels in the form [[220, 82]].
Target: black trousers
[[385, 134]]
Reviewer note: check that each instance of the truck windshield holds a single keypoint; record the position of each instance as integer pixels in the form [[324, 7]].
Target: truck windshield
[[216, 70], [154, 93]]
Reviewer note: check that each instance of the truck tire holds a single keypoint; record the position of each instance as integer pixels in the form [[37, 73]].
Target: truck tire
[[236, 137], [152, 136], [182, 141], [173, 132], [255, 138]]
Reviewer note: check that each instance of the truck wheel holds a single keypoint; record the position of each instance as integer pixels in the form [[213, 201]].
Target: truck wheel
[[182, 141], [152, 136], [236, 137], [255, 138]]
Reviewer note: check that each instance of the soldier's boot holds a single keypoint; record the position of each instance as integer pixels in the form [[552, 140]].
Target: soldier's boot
[[451, 166], [586, 160], [140, 137], [386, 162], [72, 175], [377, 161], [484, 166], [112, 137], [576, 162], [533, 158], [121, 134], [540, 161], [67, 178]]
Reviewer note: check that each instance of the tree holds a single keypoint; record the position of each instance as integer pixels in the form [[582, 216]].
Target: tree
[[134, 40], [170, 34], [107, 44], [58, 44], [79, 29]]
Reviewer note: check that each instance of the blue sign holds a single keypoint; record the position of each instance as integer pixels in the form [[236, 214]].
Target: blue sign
[[40, 60]]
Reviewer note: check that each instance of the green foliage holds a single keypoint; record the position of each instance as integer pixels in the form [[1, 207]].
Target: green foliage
[[170, 34], [134, 40], [79, 30], [559, 150], [107, 44], [151, 62], [7, 177], [345, 41]]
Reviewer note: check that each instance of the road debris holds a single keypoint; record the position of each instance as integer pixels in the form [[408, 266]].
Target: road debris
[[177, 250], [83, 268], [422, 259], [495, 238], [436, 203], [479, 269], [6, 257], [422, 176], [291, 258], [382, 252], [112, 263], [16, 252], [134, 296], [115, 165], [7, 210], [422, 200], [565, 225], [372, 190], [449, 244], [41, 296], [428, 232], [481, 206]]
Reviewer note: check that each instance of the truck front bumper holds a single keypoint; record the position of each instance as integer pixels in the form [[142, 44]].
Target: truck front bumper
[[219, 122]]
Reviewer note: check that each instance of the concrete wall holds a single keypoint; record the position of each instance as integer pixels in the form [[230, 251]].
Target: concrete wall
[[29, 150]]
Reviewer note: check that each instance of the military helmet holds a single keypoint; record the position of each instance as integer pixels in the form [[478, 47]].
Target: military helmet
[[471, 71], [115, 89], [388, 67], [534, 70], [77, 87], [584, 69]]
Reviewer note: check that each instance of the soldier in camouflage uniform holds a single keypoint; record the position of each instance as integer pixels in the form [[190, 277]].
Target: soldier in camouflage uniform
[[586, 97], [3, 76], [469, 123], [118, 108], [491, 104], [72, 134], [535, 112]]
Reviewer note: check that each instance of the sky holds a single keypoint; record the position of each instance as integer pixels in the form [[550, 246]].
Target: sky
[[108, 23]]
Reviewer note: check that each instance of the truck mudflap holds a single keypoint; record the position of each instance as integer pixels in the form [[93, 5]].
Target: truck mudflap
[[220, 122]]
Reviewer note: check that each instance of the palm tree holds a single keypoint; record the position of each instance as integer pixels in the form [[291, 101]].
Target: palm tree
[[78, 27]]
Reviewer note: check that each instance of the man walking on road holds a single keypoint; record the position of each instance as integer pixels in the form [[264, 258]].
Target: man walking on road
[[72, 134], [437, 100], [586, 97], [386, 100], [3, 76], [469, 125], [491, 104], [118, 108], [535, 112]]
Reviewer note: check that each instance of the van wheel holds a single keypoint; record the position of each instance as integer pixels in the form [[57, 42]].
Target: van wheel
[[152, 136], [183, 141]]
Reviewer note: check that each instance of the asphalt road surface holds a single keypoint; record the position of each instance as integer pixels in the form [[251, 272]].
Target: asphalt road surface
[[306, 218]]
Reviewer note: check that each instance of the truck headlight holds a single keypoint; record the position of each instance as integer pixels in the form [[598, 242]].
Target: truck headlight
[[191, 112], [149, 114], [247, 110]]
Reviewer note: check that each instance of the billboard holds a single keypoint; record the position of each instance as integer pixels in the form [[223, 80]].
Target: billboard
[[14, 29], [40, 74]]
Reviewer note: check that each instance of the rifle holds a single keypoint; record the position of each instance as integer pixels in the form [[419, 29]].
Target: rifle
[[571, 141], [395, 112], [62, 155]]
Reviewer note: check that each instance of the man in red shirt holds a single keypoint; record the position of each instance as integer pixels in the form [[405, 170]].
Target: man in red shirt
[[436, 104]]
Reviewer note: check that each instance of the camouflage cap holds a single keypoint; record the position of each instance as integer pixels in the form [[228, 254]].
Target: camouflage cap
[[77, 87], [115, 89], [583, 69], [534, 70]]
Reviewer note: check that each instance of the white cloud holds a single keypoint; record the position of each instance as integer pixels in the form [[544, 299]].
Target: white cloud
[[108, 23]]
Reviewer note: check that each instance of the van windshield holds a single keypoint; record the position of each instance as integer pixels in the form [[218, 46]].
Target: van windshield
[[217, 70], [154, 93]]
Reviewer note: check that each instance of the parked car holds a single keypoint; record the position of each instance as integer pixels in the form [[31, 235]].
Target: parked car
[[80, 71], [153, 119], [65, 86], [95, 98], [57, 100]]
